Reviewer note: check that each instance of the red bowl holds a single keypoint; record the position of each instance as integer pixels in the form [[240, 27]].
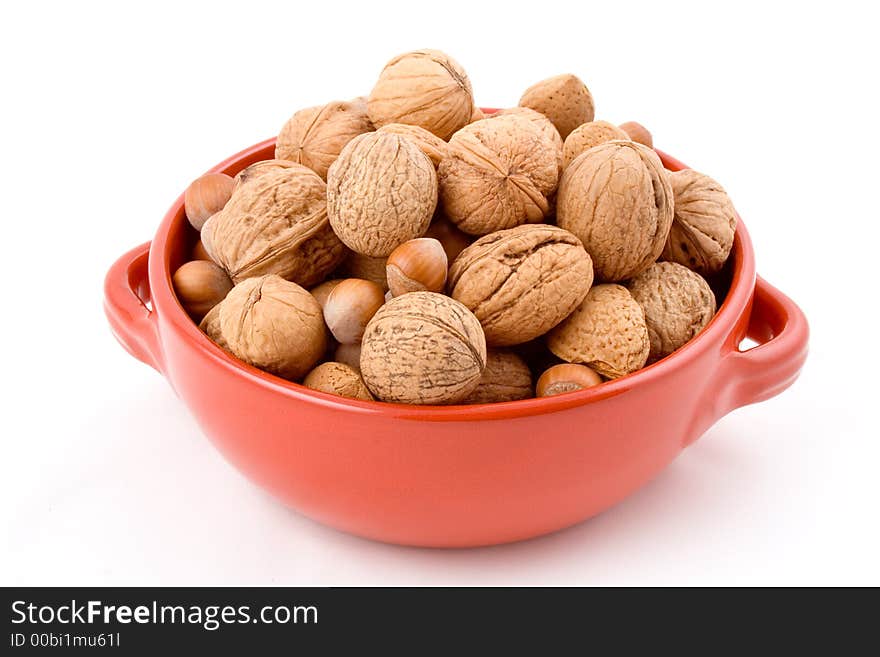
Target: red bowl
[[461, 475]]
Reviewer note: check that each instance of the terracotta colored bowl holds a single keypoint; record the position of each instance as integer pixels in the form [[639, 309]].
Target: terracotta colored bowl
[[463, 475]]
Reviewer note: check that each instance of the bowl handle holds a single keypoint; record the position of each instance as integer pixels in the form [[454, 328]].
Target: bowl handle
[[126, 294], [780, 330]]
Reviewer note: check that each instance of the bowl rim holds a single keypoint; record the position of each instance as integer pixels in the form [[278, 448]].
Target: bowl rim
[[173, 316]]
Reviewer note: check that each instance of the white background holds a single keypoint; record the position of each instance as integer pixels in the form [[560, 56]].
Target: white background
[[109, 111]]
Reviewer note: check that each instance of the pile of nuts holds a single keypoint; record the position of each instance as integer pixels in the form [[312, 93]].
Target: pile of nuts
[[404, 247]]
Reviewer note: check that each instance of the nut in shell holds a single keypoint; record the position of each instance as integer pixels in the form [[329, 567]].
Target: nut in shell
[[521, 282], [423, 348], [506, 378], [381, 192], [349, 306], [206, 196], [607, 332], [338, 379], [257, 169], [419, 264], [542, 123], [587, 136], [564, 99], [566, 377], [356, 265], [200, 285], [617, 199], [639, 133], [429, 143]]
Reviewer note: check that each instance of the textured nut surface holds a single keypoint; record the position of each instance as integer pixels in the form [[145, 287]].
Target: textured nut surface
[[337, 379], [588, 135], [423, 348], [566, 377], [381, 192], [357, 265], [607, 332], [506, 378], [200, 285], [315, 136], [521, 282], [638, 132], [274, 325], [704, 225], [497, 174], [210, 326], [677, 302], [617, 199], [564, 99], [429, 143], [426, 88], [257, 169], [275, 224], [542, 123]]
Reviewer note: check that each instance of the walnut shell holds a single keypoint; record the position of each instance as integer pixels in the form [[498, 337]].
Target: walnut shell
[[506, 378], [677, 303], [563, 99], [275, 325], [338, 379], [497, 174], [315, 136], [381, 192], [275, 224], [704, 225], [588, 135], [426, 88], [541, 122], [210, 326], [521, 282], [429, 143], [257, 169], [423, 348], [607, 332], [617, 199]]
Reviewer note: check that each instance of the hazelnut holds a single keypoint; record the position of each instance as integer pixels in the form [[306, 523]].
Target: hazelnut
[[274, 325], [315, 136], [497, 174], [423, 348], [356, 265], [677, 303], [606, 332], [617, 199], [506, 378], [563, 99], [349, 354], [322, 292], [206, 196], [200, 285], [566, 377], [350, 305], [638, 133], [276, 223], [381, 192], [453, 240], [542, 123], [426, 88], [429, 143], [521, 282], [198, 252], [588, 135], [704, 223], [419, 264], [337, 379]]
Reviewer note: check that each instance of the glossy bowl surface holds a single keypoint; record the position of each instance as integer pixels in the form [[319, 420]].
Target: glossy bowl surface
[[464, 475]]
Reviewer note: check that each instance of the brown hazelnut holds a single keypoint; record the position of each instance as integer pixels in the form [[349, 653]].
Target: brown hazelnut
[[418, 264], [430, 144], [563, 99], [588, 135], [639, 133], [566, 377], [200, 285], [506, 378], [322, 292], [350, 306], [198, 252], [206, 196], [338, 379]]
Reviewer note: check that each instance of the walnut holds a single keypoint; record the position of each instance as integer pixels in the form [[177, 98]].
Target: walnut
[[381, 192], [356, 265], [506, 378], [257, 169], [337, 379], [275, 224], [426, 88], [704, 225], [617, 199], [210, 326], [677, 303], [563, 99], [521, 282], [273, 324], [607, 332], [430, 144], [588, 135], [423, 348], [497, 174], [544, 125], [316, 135], [477, 115]]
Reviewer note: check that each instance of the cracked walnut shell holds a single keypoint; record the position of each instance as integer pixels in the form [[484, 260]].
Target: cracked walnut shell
[[563, 99], [678, 303], [617, 199], [607, 332], [337, 379], [423, 348], [521, 282], [506, 378], [704, 223], [276, 223], [497, 174], [381, 192]]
